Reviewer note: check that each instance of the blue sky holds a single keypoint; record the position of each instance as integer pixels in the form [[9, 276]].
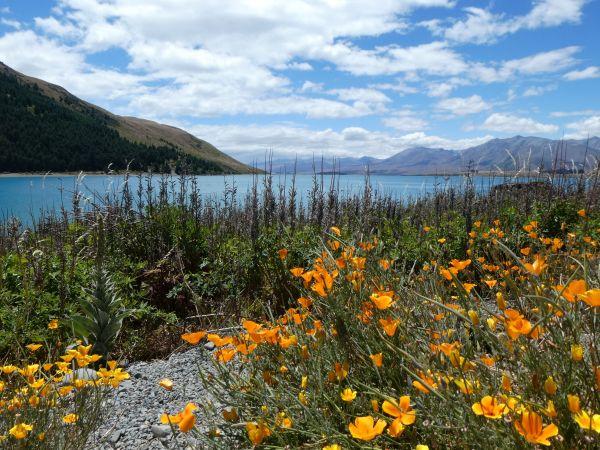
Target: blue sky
[[332, 77]]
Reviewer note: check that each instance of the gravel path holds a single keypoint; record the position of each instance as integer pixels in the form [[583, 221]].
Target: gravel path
[[133, 421]]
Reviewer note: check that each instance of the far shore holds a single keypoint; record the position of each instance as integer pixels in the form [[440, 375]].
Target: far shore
[[441, 175]]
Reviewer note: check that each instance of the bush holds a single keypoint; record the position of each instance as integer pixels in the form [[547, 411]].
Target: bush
[[497, 350]]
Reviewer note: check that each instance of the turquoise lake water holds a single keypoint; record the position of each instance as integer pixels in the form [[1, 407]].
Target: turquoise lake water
[[25, 197]]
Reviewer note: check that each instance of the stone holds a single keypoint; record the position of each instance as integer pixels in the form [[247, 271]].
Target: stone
[[115, 436], [210, 346], [160, 431]]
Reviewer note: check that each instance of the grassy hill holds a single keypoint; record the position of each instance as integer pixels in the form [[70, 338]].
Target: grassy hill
[[45, 128]]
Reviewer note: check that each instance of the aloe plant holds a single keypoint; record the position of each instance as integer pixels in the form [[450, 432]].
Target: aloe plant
[[103, 310]]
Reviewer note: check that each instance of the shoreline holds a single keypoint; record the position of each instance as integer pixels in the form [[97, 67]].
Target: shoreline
[[480, 174]]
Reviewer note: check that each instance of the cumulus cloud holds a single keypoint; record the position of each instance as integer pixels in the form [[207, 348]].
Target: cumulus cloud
[[405, 121], [462, 106], [481, 26], [584, 128], [508, 123], [535, 91], [286, 140], [588, 72]]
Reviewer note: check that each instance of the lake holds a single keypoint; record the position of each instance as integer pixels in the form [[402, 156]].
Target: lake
[[26, 196]]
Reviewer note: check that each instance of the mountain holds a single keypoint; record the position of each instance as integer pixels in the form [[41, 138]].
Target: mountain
[[513, 154], [45, 128]]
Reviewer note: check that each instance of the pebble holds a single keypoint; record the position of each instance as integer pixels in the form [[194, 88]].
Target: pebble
[[132, 418]]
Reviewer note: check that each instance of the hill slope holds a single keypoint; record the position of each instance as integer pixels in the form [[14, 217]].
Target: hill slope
[[45, 128]]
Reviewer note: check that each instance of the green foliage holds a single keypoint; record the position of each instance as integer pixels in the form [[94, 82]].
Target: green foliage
[[102, 317], [38, 133]]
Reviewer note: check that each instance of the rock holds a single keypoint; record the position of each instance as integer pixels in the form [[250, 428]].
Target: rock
[[115, 436], [210, 346], [161, 431]]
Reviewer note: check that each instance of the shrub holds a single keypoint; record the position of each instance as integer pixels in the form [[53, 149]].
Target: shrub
[[496, 350]]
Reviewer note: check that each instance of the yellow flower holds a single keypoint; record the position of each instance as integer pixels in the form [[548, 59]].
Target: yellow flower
[[489, 407], [188, 418], [375, 405], [400, 410], [584, 421], [20, 431], [257, 432], [389, 325], [573, 290], [303, 398], [581, 212], [166, 383], [550, 386], [348, 395], [573, 402], [576, 352], [365, 428], [304, 382], [591, 297], [550, 410], [70, 418], [53, 324], [516, 324], [377, 359], [473, 316], [396, 428], [382, 301], [33, 347], [193, 338], [9, 369], [537, 267], [333, 447], [530, 426], [336, 231], [422, 447], [442, 240]]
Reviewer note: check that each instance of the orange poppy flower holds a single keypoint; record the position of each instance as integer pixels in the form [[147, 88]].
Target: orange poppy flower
[[366, 429], [531, 428], [400, 410]]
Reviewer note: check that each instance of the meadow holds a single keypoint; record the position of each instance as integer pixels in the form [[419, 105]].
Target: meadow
[[457, 320]]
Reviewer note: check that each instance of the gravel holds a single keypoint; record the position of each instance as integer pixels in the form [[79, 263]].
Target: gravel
[[134, 408]]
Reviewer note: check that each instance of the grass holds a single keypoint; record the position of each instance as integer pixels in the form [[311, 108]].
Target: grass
[[361, 296]]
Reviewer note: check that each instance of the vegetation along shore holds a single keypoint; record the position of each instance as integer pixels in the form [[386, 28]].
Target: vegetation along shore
[[459, 319]]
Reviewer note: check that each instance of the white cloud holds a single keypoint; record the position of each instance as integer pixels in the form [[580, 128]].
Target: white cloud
[[508, 123], [62, 65], [483, 27], [53, 26], [535, 91], [588, 72], [584, 128], [286, 140], [405, 121], [581, 112], [11, 23], [538, 63], [360, 94], [309, 86], [462, 106]]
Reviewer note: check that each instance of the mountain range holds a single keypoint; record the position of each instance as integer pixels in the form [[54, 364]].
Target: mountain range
[[518, 153], [43, 128]]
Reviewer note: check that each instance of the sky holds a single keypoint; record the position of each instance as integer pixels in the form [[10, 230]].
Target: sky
[[322, 77]]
